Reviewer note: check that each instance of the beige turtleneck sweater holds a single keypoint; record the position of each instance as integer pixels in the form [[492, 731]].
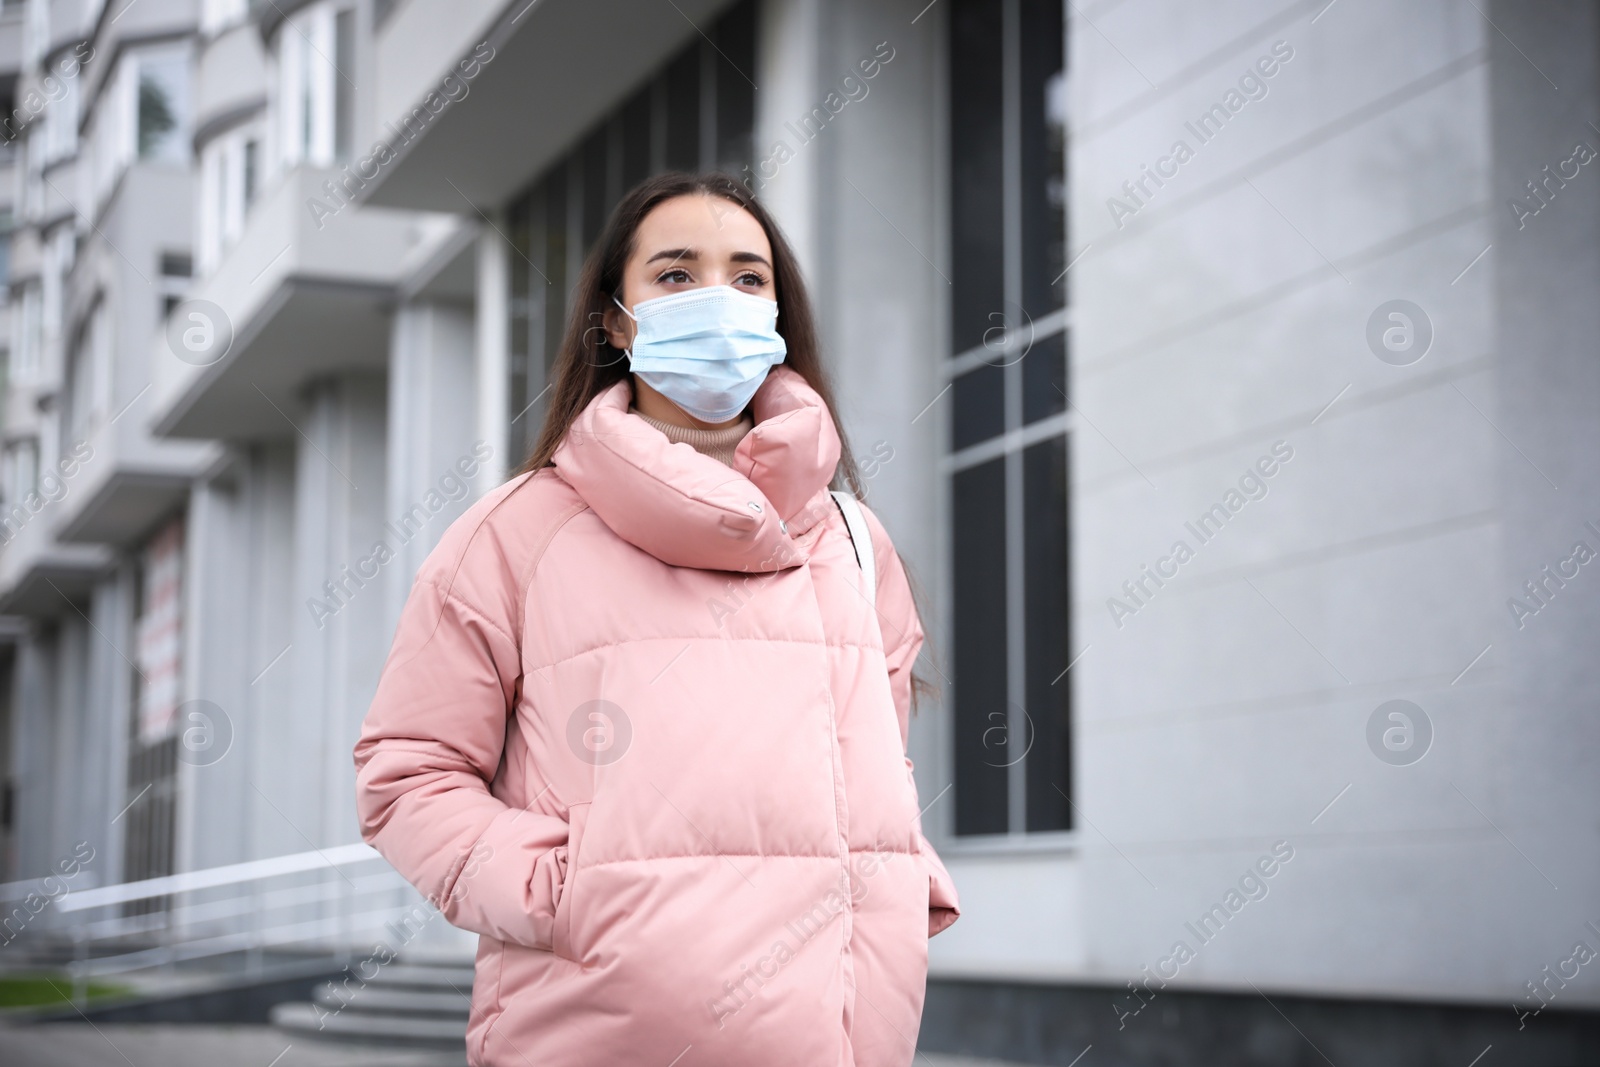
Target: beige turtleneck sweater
[[718, 444]]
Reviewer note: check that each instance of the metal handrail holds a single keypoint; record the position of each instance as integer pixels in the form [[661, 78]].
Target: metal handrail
[[239, 904], [248, 916], [222, 944], [211, 877]]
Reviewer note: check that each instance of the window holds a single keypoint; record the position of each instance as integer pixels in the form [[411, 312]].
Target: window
[[89, 375], [162, 118], [29, 343], [38, 33], [176, 270], [30, 199], [58, 250], [227, 188], [696, 114], [252, 169], [1009, 436], [59, 122], [143, 114], [5, 252], [20, 475], [314, 92], [344, 44]]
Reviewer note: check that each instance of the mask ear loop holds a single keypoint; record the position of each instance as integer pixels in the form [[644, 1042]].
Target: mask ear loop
[[631, 315]]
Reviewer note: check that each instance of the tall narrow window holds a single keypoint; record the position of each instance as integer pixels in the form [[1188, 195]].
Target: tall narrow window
[[252, 171], [314, 51], [30, 335], [88, 374], [344, 106], [1008, 456], [20, 477]]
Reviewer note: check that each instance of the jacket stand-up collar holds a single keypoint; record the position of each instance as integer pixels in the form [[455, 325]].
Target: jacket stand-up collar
[[690, 510]]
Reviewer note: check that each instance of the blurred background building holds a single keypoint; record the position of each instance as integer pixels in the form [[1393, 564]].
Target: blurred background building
[[1307, 289]]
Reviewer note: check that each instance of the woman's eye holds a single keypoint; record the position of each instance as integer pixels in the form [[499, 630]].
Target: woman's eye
[[752, 279], [675, 275]]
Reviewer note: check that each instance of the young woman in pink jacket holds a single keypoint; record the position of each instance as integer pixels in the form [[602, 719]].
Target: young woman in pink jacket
[[643, 725]]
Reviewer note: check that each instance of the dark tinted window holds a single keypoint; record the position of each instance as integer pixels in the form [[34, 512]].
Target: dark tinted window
[[982, 748], [1013, 724], [976, 224]]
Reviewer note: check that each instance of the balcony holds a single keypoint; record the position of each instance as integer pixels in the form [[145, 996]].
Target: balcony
[[533, 59], [131, 482], [300, 297], [39, 576]]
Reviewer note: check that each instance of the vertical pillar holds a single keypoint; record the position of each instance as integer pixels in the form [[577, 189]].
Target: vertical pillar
[[434, 463], [493, 331], [790, 36], [339, 645], [34, 724]]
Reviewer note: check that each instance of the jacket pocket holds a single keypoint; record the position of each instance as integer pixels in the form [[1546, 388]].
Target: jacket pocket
[[561, 932], [944, 904]]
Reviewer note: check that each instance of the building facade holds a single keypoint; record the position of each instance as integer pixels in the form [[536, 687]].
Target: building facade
[[1224, 373]]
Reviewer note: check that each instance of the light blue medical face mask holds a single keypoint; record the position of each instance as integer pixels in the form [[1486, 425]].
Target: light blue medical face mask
[[707, 350]]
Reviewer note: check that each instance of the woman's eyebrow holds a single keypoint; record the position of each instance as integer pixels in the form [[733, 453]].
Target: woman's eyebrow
[[693, 255]]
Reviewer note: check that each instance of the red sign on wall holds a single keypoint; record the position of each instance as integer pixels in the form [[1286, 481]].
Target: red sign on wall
[[160, 634]]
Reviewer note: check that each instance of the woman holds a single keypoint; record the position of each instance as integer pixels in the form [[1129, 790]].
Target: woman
[[643, 727]]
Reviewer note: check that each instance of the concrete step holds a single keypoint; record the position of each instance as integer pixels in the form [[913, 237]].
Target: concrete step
[[423, 976], [407, 1000], [352, 1024]]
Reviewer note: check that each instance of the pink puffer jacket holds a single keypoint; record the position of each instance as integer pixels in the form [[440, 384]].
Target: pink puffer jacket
[[642, 732]]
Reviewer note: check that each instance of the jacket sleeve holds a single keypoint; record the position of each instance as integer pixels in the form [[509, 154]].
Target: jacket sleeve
[[902, 641], [429, 747]]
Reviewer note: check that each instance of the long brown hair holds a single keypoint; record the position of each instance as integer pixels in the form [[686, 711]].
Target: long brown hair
[[587, 364]]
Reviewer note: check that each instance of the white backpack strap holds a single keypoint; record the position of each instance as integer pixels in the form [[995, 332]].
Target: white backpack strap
[[856, 523]]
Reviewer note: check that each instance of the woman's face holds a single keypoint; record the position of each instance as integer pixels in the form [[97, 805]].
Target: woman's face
[[689, 242]]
